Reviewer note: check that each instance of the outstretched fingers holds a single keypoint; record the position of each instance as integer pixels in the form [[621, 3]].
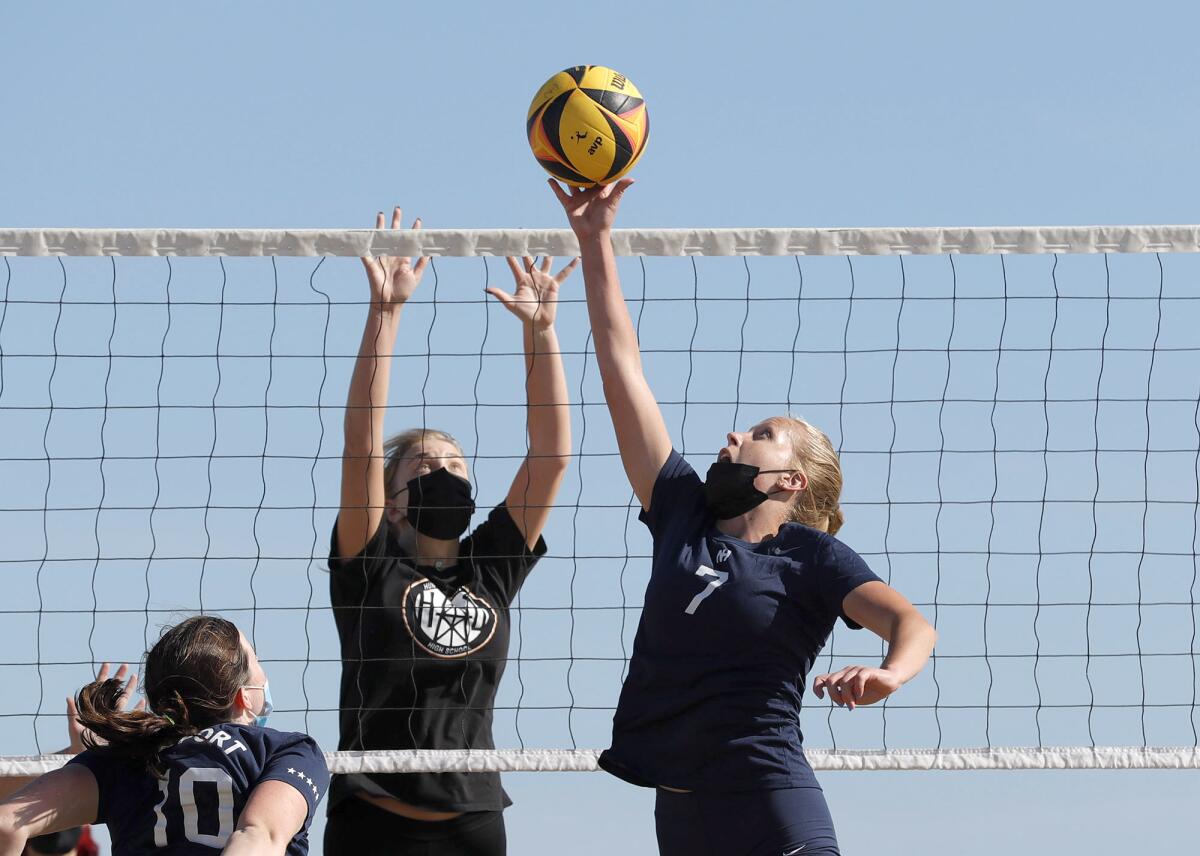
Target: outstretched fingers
[[561, 276], [562, 195], [372, 263], [423, 261], [617, 190], [130, 688]]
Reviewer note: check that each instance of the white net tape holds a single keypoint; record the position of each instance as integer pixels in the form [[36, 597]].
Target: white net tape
[[626, 242], [584, 760]]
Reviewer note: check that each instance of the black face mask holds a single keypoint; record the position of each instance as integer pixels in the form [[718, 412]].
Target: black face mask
[[440, 504], [729, 489]]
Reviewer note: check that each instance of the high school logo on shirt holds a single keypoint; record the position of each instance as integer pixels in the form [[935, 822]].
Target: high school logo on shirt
[[453, 626]]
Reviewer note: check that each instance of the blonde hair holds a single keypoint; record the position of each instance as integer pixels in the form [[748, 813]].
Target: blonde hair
[[813, 454], [399, 445]]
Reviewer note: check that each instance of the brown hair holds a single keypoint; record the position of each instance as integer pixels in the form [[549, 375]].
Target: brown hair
[[399, 445], [191, 677], [813, 454]]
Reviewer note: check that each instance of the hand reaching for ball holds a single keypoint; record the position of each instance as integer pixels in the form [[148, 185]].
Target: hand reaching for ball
[[591, 211]]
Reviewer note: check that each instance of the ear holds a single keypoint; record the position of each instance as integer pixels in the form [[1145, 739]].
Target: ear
[[795, 480], [241, 701]]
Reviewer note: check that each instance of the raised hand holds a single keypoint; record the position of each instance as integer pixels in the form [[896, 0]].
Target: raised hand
[[393, 278], [75, 730], [535, 296], [857, 685], [591, 211]]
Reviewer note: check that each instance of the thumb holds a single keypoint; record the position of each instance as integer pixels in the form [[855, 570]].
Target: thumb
[[558, 191], [618, 189], [504, 297]]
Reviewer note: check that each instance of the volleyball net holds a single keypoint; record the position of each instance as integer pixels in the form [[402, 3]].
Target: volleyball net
[[1017, 412]]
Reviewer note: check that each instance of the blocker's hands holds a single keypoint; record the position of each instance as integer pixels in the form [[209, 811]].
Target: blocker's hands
[[856, 685], [393, 278], [75, 730], [591, 211], [535, 296]]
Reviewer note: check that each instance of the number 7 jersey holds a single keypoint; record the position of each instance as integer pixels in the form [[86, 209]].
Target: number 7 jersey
[[729, 631], [195, 807]]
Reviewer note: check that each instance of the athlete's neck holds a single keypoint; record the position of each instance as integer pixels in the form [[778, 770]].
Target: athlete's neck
[[425, 550], [757, 524]]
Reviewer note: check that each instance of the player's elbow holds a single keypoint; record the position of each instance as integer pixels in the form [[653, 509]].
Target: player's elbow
[[553, 463], [920, 628], [258, 839]]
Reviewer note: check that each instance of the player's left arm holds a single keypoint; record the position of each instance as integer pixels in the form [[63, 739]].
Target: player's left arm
[[62, 799], [273, 815], [886, 613], [9, 785], [535, 302]]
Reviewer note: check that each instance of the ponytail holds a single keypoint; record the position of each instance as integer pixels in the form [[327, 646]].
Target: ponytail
[[813, 454], [138, 735], [192, 675]]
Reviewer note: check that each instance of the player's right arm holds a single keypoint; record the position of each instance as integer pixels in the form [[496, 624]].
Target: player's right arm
[[272, 816], [364, 494], [641, 432], [63, 799]]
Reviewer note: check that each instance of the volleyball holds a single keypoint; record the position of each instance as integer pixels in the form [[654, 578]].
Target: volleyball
[[588, 125]]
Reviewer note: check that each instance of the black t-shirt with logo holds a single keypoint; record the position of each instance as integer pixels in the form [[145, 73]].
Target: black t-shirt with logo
[[423, 650]]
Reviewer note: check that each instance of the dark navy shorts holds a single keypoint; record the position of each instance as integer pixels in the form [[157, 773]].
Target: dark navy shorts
[[784, 822]]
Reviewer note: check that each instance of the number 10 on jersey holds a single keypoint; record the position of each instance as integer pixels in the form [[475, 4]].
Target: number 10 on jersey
[[186, 791]]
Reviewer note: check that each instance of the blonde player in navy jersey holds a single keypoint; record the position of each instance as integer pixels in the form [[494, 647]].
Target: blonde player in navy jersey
[[746, 583], [197, 773]]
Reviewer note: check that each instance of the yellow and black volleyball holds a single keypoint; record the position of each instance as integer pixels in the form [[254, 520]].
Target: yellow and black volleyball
[[588, 125]]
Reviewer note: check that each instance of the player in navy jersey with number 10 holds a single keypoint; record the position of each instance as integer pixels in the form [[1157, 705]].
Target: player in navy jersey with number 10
[[196, 773], [746, 583]]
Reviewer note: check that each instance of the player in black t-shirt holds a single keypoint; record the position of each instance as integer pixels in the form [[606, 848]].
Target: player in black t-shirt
[[197, 772], [422, 617], [746, 583]]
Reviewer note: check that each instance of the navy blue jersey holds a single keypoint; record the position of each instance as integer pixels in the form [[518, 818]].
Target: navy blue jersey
[[728, 634], [194, 809]]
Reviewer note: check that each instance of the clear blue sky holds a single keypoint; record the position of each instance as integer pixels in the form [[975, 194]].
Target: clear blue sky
[[773, 114]]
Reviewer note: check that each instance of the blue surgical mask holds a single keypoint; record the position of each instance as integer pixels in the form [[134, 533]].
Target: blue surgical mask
[[261, 718]]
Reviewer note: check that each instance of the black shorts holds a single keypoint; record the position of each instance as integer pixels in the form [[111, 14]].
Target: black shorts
[[358, 828], [784, 822]]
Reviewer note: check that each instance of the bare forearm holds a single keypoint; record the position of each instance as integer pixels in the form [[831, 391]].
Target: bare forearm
[[641, 433], [12, 840], [612, 329], [909, 646], [546, 394], [367, 398]]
